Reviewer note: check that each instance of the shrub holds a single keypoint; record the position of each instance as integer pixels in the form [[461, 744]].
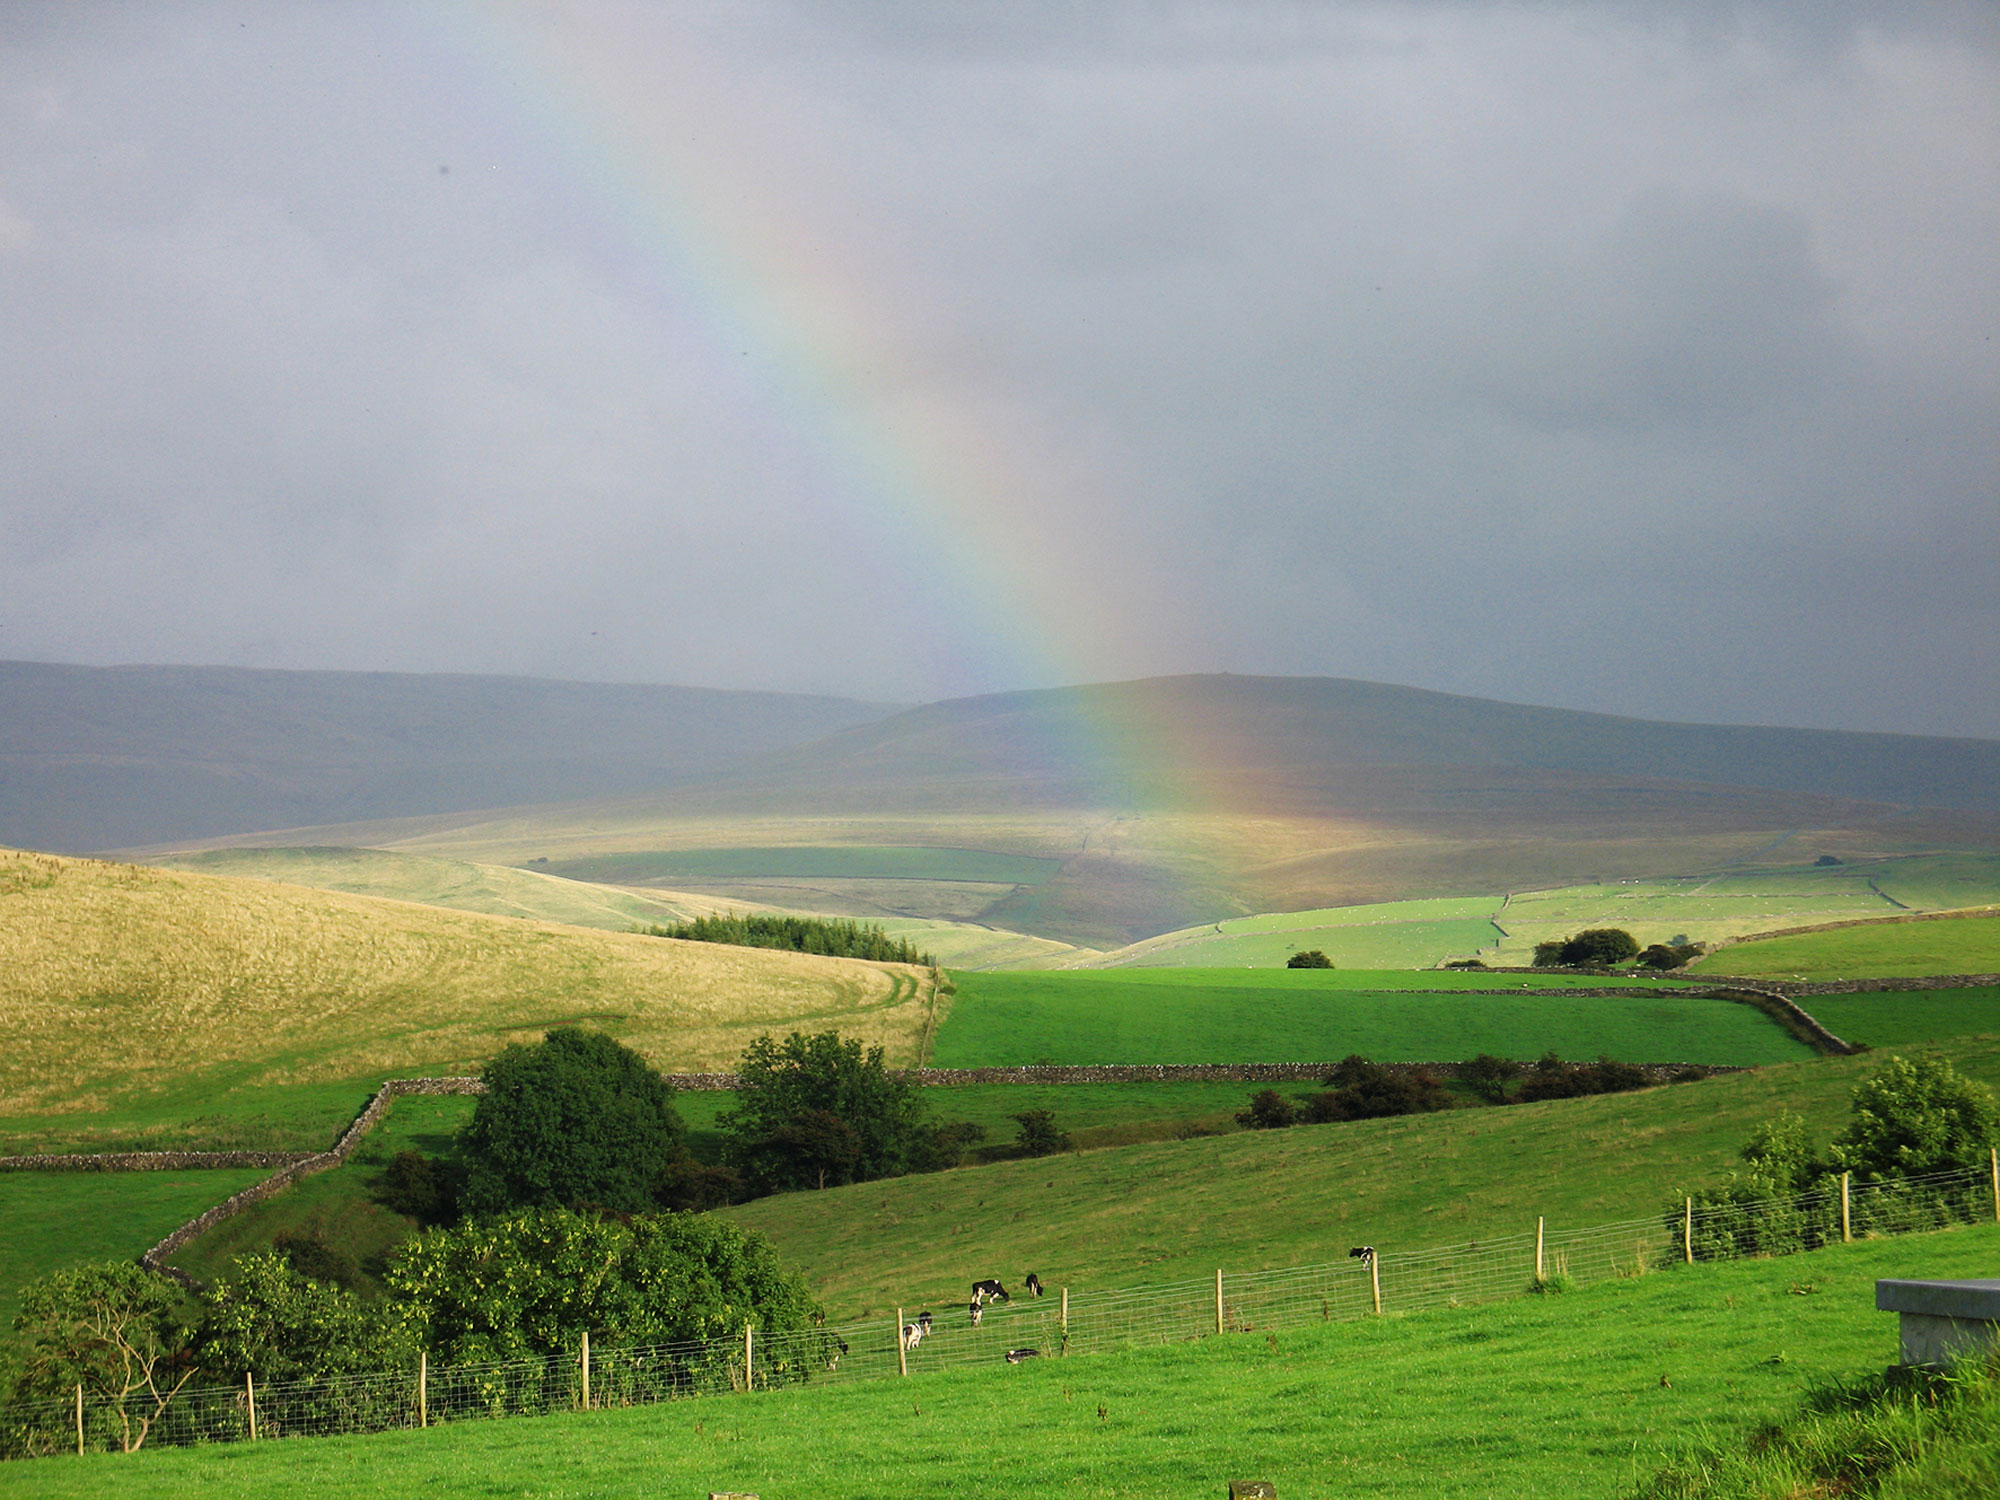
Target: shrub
[[577, 1119], [1916, 1117], [1549, 954], [1488, 1076], [532, 1282], [419, 1188], [1553, 1078], [692, 1186], [1312, 958], [1269, 1110], [816, 1111], [112, 1327], [1600, 948], [312, 1257], [1670, 955], [1466, 963], [1037, 1135], [273, 1319], [833, 938], [942, 1147], [1361, 1090]]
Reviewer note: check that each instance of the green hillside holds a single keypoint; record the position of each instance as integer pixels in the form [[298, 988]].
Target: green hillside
[[1881, 950], [1305, 1015]]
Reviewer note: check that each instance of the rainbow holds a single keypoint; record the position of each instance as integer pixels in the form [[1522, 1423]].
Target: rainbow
[[732, 236]]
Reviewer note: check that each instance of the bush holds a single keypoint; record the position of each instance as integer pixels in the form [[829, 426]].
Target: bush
[[1600, 948], [1553, 1078], [1670, 955], [1312, 958], [417, 1187], [836, 938], [575, 1120], [1549, 954], [691, 1186], [112, 1327], [274, 1320], [532, 1282], [1488, 1076], [313, 1258], [1269, 1110], [1361, 1090], [816, 1111], [942, 1147], [1038, 1135], [1912, 1118], [1466, 963]]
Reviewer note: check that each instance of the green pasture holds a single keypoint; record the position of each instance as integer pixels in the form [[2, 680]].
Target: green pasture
[[1177, 1210], [49, 1220], [1584, 1394], [804, 862], [1887, 950], [1903, 1019], [1202, 1016], [220, 1110]]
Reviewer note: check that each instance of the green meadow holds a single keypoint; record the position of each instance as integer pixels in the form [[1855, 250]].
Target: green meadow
[[1886, 950], [1240, 1016], [1901, 1019], [1584, 1394]]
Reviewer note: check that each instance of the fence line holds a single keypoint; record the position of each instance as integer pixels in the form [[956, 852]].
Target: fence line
[[1076, 1322]]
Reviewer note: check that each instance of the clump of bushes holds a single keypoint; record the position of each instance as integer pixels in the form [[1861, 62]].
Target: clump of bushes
[[1593, 948], [1037, 1135], [1552, 1078], [829, 938], [1670, 955], [1311, 958]]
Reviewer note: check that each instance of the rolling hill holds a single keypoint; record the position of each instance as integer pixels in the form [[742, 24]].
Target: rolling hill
[[126, 983], [95, 758]]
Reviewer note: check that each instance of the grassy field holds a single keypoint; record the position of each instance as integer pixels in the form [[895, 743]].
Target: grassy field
[[1175, 1211], [1886, 950], [839, 861], [128, 984], [1386, 935], [1581, 1395], [1901, 1020], [1265, 1015], [55, 1219]]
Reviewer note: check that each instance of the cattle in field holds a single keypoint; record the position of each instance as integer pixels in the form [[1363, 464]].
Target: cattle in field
[[977, 1312], [1015, 1356], [1034, 1284], [989, 1291], [1363, 1253]]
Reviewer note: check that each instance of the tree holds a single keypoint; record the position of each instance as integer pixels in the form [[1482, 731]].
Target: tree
[[272, 1321], [1312, 958], [1488, 1076], [574, 1119], [1269, 1110], [1037, 1135], [114, 1328], [1362, 1090], [1916, 1117], [816, 1111], [1600, 948], [1779, 1156], [1670, 955], [533, 1282], [1549, 954]]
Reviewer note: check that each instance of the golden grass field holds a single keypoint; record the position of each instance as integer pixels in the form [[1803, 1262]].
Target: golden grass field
[[123, 979]]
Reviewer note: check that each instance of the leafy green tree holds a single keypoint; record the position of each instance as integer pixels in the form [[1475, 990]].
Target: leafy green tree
[[414, 1185], [533, 1282], [1488, 1076], [1268, 1110], [1549, 954], [1600, 948], [270, 1320], [1780, 1156], [1669, 955], [817, 1111], [1311, 958], [313, 1257], [1037, 1135], [1916, 1117], [114, 1328], [576, 1119]]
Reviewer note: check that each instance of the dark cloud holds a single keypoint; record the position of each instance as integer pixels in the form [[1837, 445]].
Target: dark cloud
[[1631, 357]]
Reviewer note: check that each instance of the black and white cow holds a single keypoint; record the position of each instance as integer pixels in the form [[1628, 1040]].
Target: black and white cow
[[989, 1291], [977, 1312], [1034, 1284], [1363, 1253], [1015, 1356]]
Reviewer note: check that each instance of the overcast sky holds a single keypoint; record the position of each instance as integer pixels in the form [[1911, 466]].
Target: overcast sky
[[1630, 357]]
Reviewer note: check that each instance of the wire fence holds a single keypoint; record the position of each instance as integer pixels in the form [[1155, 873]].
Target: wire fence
[[1058, 1324]]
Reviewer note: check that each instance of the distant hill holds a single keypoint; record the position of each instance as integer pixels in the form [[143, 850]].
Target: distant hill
[[116, 757], [1175, 801]]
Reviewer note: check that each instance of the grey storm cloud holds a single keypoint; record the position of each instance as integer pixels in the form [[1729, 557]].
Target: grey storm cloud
[[1635, 357]]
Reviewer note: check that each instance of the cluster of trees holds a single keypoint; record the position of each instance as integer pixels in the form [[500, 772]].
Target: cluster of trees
[[1360, 1090], [1609, 947], [1909, 1121], [1311, 958], [828, 938]]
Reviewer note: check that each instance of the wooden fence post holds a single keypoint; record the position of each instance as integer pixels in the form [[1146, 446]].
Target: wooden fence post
[[1375, 1281], [586, 1369], [1687, 1231], [1065, 1323], [250, 1395], [1218, 1299], [1538, 1247], [79, 1419], [1846, 1225], [1993, 1156], [902, 1354], [423, 1387], [749, 1360]]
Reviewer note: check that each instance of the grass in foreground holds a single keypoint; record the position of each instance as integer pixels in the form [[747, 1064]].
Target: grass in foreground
[[1585, 1394], [1887, 950], [1223, 1015], [126, 983]]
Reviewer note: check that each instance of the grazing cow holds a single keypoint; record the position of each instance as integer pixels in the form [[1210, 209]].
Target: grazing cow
[[989, 1291], [924, 1322], [1015, 1356], [913, 1335], [1363, 1253], [1034, 1284], [833, 1360], [977, 1311]]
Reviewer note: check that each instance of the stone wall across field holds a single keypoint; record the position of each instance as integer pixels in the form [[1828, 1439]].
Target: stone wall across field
[[147, 1161]]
